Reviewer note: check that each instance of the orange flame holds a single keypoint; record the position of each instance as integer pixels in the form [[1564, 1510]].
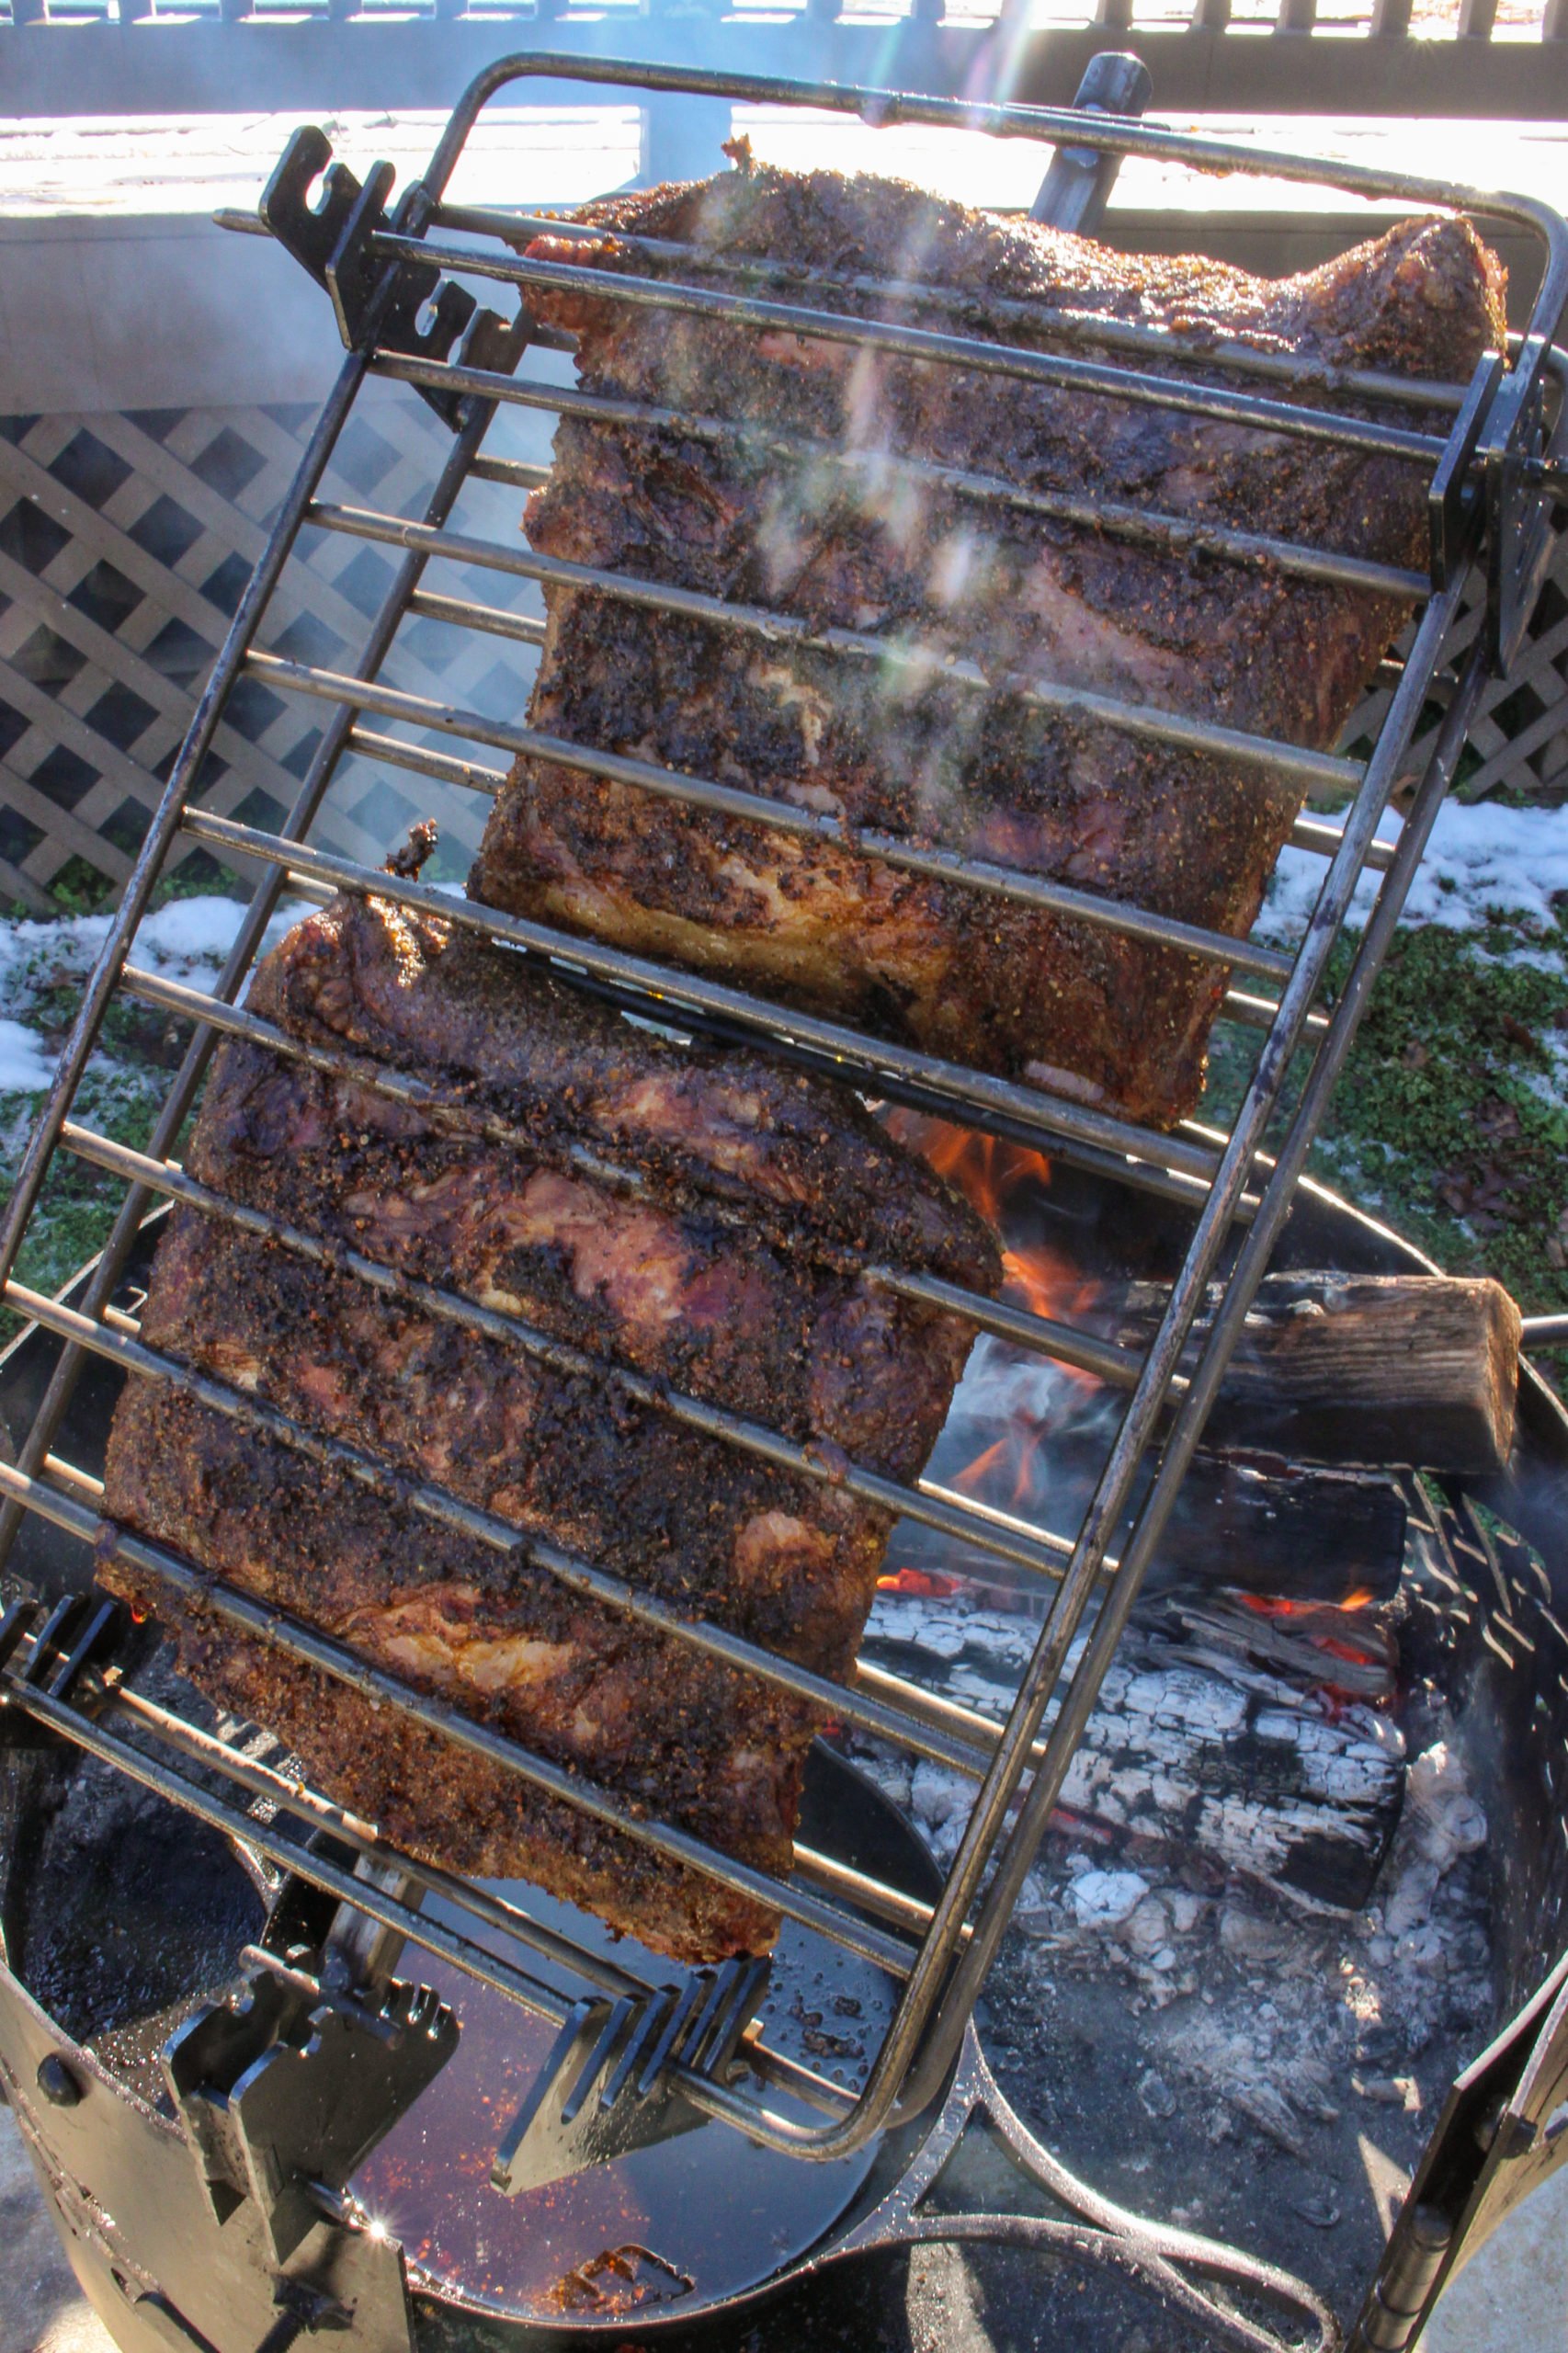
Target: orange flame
[[974, 1476], [1337, 1631], [986, 1169], [993, 1173], [1280, 1605], [989, 1171]]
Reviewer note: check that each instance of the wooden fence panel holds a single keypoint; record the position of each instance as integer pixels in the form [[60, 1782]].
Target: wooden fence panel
[[125, 542]]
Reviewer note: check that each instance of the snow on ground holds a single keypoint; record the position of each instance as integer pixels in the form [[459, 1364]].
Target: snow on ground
[[185, 940], [24, 1067], [1483, 858]]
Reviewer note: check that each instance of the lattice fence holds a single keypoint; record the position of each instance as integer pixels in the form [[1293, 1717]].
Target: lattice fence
[[125, 542], [126, 539], [1518, 744]]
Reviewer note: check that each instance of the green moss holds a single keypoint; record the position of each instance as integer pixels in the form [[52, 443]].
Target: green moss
[[1449, 1119], [78, 1204], [122, 1094], [80, 889]]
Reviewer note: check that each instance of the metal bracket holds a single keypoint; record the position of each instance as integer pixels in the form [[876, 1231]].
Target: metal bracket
[[71, 1639], [1520, 538], [1454, 505], [606, 2087], [334, 240], [1076, 186], [139, 2233], [312, 231], [286, 2087]]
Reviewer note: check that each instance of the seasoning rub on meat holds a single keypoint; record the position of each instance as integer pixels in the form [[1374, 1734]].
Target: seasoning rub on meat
[[500, 1187], [852, 490]]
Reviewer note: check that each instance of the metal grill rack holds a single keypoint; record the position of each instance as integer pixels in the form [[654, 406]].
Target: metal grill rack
[[403, 314]]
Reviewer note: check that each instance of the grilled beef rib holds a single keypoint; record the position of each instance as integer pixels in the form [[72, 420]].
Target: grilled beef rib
[[848, 490], [729, 1267]]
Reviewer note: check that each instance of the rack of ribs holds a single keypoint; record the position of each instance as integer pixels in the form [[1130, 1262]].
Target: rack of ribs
[[580, 1175], [836, 485]]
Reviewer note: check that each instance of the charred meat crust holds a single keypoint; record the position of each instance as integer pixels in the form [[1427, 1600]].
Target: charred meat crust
[[503, 1042], [404, 1777], [563, 1456], [841, 539]]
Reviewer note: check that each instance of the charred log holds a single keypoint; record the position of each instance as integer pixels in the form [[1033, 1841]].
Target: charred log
[[1256, 1523], [1416, 1368], [1209, 1738]]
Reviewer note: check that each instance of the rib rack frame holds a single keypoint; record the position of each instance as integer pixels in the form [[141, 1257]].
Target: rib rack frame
[[391, 279]]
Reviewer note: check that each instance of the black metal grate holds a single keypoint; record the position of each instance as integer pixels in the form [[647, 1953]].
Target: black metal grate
[[1481, 484]]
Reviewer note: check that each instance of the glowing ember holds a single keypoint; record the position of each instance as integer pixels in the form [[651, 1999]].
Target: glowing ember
[[925, 1585], [1278, 1605]]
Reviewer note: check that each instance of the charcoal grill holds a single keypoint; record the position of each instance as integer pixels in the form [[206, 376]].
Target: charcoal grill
[[634, 2060]]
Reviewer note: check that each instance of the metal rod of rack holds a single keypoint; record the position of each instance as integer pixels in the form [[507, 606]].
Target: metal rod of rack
[[287, 1794], [121, 1345], [1240, 1290], [156, 989], [1146, 525], [1145, 721], [782, 816], [392, 751], [324, 765], [335, 1257], [922, 2036], [442, 767], [1037, 314], [460, 612], [679, 1848], [1065, 1342], [1047, 1115], [1114, 134], [1220, 403]]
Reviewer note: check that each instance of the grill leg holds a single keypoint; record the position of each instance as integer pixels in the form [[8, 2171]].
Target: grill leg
[[682, 137], [1076, 189]]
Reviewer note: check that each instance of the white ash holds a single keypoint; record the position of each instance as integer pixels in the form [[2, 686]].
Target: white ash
[[1102, 1899], [1189, 1740], [1279, 2020], [1264, 2016]]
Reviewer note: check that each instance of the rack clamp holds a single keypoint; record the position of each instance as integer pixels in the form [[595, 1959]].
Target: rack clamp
[[334, 241], [63, 1662], [1520, 540], [606, 2087], [1496, 476], [285, 2086]]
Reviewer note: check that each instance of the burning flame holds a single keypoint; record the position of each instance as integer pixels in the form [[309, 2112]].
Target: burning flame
[[1278, 1604], [998, 1177], [1342, 1631], [986, 1169], [990, 1172]]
